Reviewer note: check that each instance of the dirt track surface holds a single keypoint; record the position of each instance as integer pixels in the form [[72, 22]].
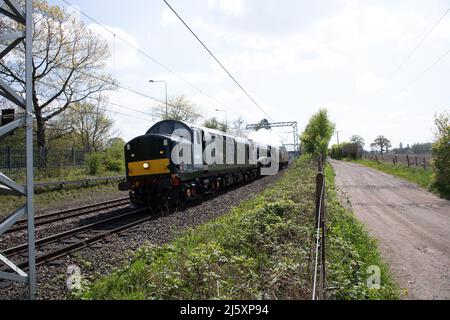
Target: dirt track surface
[[411, 224]]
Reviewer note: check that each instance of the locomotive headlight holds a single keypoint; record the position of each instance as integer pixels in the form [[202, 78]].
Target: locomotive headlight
[[146, 165]]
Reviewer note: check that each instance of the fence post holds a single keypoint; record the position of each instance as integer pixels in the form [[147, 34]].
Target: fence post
[[323, 242], [319, 186], [424, 163], [320, 164], [407, 160], [416, 161]]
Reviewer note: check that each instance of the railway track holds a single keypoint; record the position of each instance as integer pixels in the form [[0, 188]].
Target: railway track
[[61, 244], [69, 214]]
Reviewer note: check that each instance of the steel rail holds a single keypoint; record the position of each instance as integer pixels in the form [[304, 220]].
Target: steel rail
[[70, 213], [86, 242], [61, 236]]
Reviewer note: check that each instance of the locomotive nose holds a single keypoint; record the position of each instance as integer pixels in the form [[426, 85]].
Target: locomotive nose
[[148, 155]]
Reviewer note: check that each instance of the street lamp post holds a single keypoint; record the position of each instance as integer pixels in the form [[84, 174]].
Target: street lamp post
[[226, 117], [165, 84]]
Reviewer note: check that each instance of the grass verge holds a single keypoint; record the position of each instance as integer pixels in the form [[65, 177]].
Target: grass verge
[[260, 250], [419, 176]]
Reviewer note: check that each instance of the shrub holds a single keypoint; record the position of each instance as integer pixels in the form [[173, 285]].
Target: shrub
[[114, 165], [114, 157], [441, 154], [352, 150], [346, 150], [94, 163], [336, 152]]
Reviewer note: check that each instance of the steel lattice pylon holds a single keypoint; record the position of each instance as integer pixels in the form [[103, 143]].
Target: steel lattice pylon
[[24, 16], [293, 125]]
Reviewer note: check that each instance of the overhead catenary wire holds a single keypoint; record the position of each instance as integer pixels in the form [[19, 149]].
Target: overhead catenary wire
[[217, 60], [419, 44], [124, 87], [425, 71], [144, 53]]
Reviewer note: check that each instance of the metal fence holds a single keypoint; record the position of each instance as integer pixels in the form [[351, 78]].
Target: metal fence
[[411, 160], [15, 158]]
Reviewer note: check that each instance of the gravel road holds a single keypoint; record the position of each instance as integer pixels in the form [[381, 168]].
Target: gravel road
[[411, 224]]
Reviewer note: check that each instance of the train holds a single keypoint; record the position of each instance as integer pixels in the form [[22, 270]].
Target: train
[[176, 162]]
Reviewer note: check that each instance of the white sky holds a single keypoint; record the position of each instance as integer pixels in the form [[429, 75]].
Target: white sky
[[292, 56]]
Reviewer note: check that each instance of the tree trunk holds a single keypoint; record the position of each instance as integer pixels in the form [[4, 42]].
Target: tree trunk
[[41, 141]]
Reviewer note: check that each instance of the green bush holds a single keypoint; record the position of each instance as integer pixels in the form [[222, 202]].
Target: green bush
[[114, 157], [114, 165], [441, 154], [346, 150], [94, 163], [336, 152]]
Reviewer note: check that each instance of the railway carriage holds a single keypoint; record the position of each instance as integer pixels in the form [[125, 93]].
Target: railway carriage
[[175, 162]]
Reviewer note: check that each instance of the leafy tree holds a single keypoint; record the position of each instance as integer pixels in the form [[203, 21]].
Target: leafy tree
[[318, 133], [68, 62], [90, 124], [213, 123], [381, 144], [180, 108], [441, 153], [358, 140]]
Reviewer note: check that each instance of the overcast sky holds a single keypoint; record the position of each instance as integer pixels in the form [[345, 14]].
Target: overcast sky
[[294, 57]]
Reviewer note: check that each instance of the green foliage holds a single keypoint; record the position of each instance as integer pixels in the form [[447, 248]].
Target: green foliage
[[111, 159], [441, 154], [317, 135], [213, 123], [336, 152], [260, 250], [94, 163], [114, 157], [346, 150], [381, 144], [358, 140]]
